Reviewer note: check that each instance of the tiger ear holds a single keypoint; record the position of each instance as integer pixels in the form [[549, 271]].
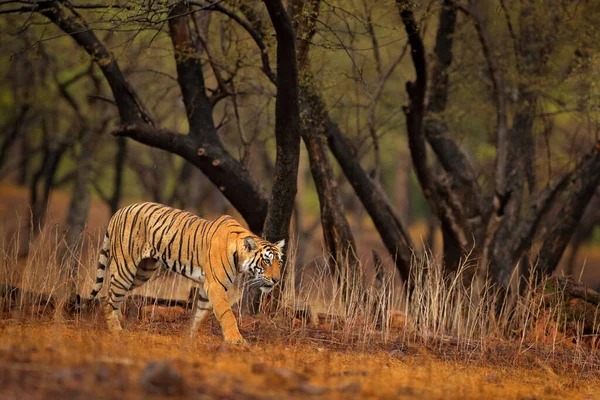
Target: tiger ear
[[280, 244], [249, 244]]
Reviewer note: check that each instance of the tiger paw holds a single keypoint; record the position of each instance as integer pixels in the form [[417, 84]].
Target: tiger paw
[[238, 343]]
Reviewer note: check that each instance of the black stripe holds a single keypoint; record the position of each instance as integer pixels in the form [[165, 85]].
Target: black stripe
[[120, 280], [168, 248], [202, 298], [214, 232], [159, 224], [120, 285], [196, 250], [182, 234], [225, 269]]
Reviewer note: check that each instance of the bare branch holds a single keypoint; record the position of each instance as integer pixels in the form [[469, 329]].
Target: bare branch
[[497, 78], [264, 54], [130, 107]]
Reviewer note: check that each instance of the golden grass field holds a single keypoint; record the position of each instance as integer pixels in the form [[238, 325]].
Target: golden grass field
[[429, 349]]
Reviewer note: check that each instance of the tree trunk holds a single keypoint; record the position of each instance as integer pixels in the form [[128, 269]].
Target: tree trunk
[[53, 154], [120, 158], [392, 231], [13, 133], [583, 232], [24, 165], [76, 220], [581, 191], [287, 127], [402, 169], [79, 206], [340, 246]]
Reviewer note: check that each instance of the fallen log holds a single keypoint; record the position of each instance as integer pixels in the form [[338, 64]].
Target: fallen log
[[14, 297], [574, 289], [576, 306]]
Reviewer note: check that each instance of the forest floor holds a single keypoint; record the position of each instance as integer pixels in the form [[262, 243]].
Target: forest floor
[[44, 359], [79, 360]]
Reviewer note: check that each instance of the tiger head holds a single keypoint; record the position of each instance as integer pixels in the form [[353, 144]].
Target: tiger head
[[262, 260]]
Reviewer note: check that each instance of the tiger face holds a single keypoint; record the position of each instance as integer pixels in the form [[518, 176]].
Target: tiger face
[[263, 262]]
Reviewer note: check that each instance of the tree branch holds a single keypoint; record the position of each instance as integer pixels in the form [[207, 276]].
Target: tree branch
[[225, 172], [538, 209], [449, 154], [130, 108], [497, 78]]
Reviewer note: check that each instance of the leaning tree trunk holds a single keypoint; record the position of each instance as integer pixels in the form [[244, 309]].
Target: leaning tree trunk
[[340, 246], [582, 190]]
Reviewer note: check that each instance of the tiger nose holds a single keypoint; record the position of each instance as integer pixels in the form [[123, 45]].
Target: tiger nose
[[275, 280]]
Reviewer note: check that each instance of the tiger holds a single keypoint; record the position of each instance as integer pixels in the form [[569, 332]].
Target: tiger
[[145, 236]]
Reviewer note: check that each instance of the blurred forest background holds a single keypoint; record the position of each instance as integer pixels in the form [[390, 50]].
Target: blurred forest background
[[488, 154]]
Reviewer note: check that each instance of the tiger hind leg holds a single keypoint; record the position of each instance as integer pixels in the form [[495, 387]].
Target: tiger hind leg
[[203, 310], [119, 286]]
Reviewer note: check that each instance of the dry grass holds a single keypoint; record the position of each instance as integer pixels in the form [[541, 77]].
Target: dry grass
[[43, 360], [445, 343]]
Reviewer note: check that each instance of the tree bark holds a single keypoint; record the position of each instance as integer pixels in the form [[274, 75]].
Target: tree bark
[[438, 192], [582, 189], [531, 50], [78, 213], [392, 231], [120, 158], [53, 155], [13, 134], [339, 241], [287, 127]]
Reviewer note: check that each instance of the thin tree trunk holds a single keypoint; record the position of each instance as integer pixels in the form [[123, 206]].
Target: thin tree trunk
[[24, 165], [13, 133], [79, 208], [120, 158], [76, 222], [340, 245]]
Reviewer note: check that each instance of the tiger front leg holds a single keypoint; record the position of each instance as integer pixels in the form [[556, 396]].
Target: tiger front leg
[[218, 298]]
